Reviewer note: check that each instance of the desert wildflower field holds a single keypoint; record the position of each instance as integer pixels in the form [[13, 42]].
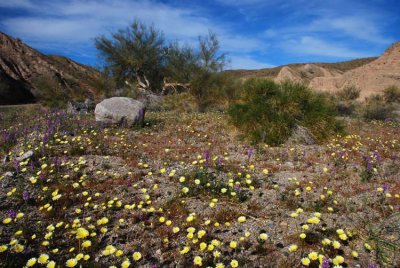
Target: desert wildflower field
[[186, 191]]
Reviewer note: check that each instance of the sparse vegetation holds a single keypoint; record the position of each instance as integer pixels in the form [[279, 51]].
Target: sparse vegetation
[[391, 94], [348, 93], [346, 100], [182, 102], [375, 108], [51, 93]]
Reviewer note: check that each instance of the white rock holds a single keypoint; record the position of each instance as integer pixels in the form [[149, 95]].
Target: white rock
[[26, 155], [120, 110]]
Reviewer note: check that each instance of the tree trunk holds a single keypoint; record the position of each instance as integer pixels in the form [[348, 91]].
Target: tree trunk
[[143, 83], [173, 88]]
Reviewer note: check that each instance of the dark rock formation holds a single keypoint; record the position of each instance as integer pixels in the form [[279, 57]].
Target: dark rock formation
[[27, 75]]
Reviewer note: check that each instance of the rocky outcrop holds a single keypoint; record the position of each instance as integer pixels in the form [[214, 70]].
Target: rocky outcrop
[[371, 78], [120, 111], [23, 68]]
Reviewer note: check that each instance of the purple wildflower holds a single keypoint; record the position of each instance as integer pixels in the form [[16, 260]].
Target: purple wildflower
[[25, 195], [326, 263], [377, 156], [207, 157], [220, 159], [385, 187], [249, 153], [11, 214], [368, 163], [17, 166]]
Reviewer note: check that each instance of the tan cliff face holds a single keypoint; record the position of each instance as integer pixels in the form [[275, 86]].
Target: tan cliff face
[[371, 78], [21, 66]]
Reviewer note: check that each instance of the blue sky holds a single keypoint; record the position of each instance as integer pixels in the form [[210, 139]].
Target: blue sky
[[254, 33]]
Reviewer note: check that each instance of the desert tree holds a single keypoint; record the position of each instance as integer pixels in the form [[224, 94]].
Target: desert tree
[[206, 83], [136, 52], [140, 54]]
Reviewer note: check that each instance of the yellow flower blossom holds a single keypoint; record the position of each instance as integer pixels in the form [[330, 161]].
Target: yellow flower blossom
[[234, 263], [43, 258], [137, 256], [305, 261], [82, 233], [51, 264], [71, 262], [293, 248], [31, 262], [198, 261]]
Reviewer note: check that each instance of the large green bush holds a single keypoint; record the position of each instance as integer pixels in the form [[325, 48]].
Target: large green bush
[[269, 111]]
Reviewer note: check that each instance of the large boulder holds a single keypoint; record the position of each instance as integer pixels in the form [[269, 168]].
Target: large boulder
[[120, 110]]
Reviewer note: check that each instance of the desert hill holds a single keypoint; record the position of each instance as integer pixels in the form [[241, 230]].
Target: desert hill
[[371, 75], [303, 69], [371, 78], [25, 74]]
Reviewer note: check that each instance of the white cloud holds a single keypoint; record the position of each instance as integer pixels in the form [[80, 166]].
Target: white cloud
[[77, 22], [86, 19], [358, 27], [232, 43], [52, 29], [355, 27], [245, 62], [314, 46], [72, 24]]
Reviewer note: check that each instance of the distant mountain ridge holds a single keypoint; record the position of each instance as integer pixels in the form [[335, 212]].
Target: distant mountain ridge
[[25, 74], [272, 73], [370, 75]]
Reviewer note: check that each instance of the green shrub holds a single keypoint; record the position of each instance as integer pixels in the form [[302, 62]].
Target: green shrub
[[50, 92], [392, 94], [348, 93], [214, 91], [268, 111], [346, 108], [345, 100], [375, 108], [182, 102]]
